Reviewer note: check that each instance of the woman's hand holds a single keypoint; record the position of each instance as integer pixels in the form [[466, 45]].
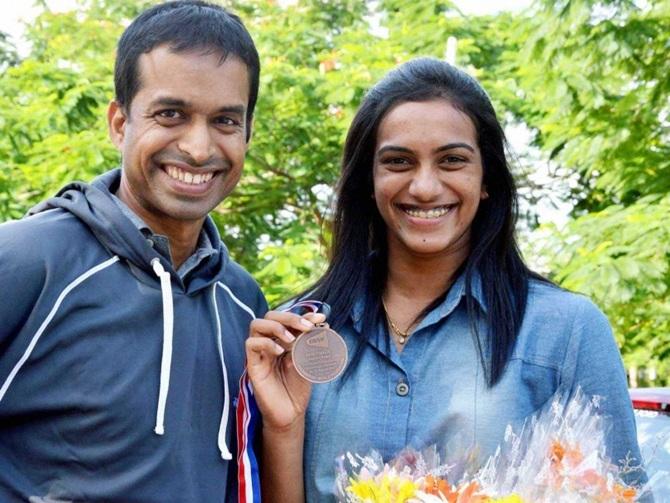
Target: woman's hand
[[282, 396], [281, 393]]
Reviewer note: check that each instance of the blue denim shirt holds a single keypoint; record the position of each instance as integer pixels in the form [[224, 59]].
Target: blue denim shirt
[[435, 393]]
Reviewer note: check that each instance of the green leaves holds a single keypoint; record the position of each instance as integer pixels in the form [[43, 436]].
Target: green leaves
[[52, 108], [596, 87], [8, 55], [310, 86]]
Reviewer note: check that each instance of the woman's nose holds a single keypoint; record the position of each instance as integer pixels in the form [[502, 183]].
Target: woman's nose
[[425, 184]]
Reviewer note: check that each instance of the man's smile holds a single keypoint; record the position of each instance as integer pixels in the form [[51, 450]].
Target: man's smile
[[186, 176]]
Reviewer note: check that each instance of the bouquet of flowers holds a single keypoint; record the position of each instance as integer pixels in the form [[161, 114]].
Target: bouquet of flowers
[[559, 455]]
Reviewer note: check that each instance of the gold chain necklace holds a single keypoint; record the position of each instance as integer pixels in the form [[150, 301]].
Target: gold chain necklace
[[400, 335]]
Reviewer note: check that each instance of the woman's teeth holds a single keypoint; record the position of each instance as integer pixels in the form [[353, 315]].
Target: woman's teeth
[[186, 177], [431, 213]]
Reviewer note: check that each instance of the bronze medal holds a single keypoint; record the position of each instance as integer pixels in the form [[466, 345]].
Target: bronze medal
[[320, 354]]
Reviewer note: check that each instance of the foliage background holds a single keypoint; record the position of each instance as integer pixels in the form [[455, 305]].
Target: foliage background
[[589, 80]]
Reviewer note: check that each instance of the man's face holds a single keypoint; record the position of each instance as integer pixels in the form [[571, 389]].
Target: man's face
[[183, 139]]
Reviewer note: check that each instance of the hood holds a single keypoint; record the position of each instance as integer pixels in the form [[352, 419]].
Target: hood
[[93, 204]]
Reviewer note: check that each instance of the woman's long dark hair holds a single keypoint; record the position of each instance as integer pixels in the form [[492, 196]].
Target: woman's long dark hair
[[358, 262]]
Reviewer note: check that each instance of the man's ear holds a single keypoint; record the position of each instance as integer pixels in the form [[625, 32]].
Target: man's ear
[[116, 121]]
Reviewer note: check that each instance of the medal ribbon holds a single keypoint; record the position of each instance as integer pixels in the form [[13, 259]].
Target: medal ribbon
[[248, 417], [310, 306]]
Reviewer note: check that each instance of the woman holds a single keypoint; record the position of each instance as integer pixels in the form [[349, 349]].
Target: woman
[[452, 336]]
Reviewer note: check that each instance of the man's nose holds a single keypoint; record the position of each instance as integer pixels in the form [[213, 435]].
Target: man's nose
[[197, 142]]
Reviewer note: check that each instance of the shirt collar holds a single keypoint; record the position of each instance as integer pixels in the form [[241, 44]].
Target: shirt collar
[[454, 296], [131, 215], [161, 244]]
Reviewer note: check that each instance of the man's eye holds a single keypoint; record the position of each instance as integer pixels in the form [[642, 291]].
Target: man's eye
[[227, 121], [169, 114]]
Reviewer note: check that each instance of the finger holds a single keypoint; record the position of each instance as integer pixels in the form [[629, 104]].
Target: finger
[[270, 329], [315, 318], [291, 321], [260, 349]]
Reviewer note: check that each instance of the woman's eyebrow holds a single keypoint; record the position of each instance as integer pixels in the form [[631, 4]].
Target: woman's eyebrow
[[442, 148], [450, 146]]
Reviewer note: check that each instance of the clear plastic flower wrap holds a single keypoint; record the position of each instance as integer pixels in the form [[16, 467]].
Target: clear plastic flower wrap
[[558, 455]]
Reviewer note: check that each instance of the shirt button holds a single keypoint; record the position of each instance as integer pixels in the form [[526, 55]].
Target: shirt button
[[402, 389], [150, 242]]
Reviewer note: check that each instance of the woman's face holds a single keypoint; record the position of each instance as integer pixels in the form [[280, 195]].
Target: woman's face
[[428, 178]]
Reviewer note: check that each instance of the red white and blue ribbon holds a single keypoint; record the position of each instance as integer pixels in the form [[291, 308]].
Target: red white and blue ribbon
[[248, 419], [310, 306]]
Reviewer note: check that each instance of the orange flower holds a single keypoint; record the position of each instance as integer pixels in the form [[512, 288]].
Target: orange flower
[[625, 494], [437, 486], [556, 452], [465, 493]]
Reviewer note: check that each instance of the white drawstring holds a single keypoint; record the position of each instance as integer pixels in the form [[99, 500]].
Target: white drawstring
[[166, 360], [223, 425]]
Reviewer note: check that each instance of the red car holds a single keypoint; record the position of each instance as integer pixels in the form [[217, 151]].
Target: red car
[[652, 414]]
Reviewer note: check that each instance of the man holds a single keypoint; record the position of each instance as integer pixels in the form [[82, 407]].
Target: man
[[123, 320]]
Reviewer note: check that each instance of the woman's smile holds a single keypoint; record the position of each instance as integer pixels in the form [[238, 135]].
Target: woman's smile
[[426, 213]]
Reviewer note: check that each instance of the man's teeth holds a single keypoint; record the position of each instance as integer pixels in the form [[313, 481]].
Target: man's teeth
[[186, 177], [431, 213]]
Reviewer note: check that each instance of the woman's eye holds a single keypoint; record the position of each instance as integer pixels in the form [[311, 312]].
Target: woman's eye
[[395, 161], [452, 161]]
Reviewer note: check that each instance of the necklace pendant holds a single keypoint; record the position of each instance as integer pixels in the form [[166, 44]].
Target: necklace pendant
[[402, 339]]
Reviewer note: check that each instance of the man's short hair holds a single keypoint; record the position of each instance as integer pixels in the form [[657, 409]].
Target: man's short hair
[[184, 25]]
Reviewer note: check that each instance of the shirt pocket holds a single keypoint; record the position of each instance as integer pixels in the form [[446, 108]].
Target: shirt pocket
[[534, 383]]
